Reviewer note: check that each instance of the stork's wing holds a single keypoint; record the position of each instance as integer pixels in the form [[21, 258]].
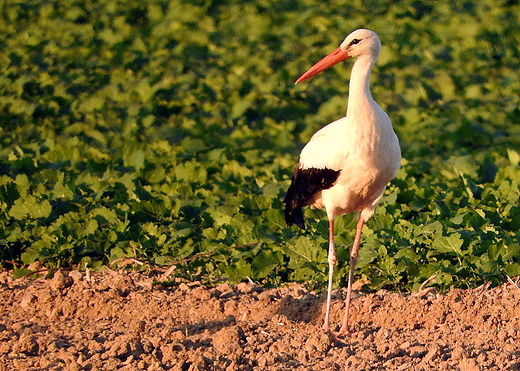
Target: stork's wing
[[328, 148], [305, 184]]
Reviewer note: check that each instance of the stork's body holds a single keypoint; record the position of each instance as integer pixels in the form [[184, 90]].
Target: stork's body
[[346, 165]]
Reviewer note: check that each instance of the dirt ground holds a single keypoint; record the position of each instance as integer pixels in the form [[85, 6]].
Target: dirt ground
[[123, 321]]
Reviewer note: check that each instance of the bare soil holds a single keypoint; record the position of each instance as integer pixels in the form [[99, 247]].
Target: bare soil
[[123, 321]]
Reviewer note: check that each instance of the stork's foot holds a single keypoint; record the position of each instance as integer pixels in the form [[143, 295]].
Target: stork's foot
[[335, 339], [339, 339], [344, 332]]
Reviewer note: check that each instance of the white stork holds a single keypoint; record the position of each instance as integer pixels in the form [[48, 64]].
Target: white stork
[[347, 164]]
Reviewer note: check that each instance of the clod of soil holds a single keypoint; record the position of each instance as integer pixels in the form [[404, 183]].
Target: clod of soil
[[122, 321]]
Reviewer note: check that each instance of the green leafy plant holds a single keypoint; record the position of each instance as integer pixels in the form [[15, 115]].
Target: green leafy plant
[[166, 131]]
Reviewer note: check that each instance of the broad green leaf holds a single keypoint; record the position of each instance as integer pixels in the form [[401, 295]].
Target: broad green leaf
[[265, 262], [450, 244], [514, 156], [30, 207]]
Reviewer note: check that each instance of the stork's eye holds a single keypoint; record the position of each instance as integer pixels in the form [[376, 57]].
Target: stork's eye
[[354, 42]]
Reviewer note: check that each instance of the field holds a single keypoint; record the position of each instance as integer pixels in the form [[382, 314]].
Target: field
[[124, 321], [160, 136]]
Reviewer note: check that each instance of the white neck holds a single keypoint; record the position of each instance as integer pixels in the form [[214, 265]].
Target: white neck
[[359, 97]]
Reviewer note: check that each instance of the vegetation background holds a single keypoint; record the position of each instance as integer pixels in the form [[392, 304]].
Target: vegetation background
[[166, 131]]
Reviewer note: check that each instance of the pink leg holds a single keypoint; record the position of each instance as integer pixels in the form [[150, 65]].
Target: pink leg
[[332, 263], [353, 260]]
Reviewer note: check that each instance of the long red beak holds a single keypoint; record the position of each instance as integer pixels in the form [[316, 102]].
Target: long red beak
[[336, 56]]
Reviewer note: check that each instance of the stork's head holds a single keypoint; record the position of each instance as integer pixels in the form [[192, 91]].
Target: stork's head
[[361, 42]]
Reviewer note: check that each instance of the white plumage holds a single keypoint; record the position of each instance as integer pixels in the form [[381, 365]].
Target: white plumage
[[347, 164]]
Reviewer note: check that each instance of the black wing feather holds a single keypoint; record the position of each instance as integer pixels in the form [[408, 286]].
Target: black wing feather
[[305, 184]]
